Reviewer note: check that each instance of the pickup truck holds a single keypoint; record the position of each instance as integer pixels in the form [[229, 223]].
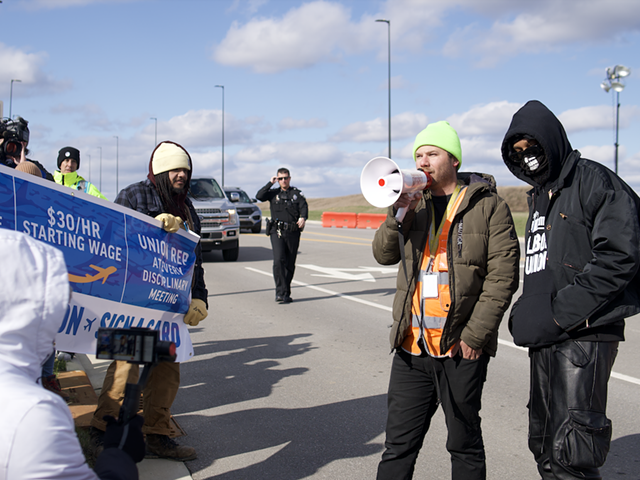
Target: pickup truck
[[218, 218]]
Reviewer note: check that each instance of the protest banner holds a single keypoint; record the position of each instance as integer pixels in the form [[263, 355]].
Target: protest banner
[[124, 269]]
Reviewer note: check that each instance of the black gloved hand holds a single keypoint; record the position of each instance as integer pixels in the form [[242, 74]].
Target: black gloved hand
[[127, 437]]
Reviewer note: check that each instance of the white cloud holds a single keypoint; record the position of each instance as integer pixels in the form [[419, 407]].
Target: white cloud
[[403, 125], [543, 26], [291, 153], [304, 36], [323, 31], [203, 128], [491, 119], [596, 118], [28, 68], [599, 153], [289, 123]]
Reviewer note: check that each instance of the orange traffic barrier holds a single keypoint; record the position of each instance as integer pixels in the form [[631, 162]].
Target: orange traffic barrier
[[370, 220], [339, 219]]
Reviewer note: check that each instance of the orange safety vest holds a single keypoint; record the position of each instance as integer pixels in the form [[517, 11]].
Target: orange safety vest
[[429, 314]]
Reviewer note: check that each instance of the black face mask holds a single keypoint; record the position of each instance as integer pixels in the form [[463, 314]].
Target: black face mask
[[534, 162]]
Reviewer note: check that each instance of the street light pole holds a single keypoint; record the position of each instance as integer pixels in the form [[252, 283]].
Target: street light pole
[[117, 153], [100, 168], [222, 87], [154, 118], [89, 155], [613, 80], [11, 96], [388, 22], [615, 156]]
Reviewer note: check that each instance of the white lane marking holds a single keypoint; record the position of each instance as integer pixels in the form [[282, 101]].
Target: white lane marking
[[330, 292], [626, 378], [182, 387], [506, 343], [339, 273]]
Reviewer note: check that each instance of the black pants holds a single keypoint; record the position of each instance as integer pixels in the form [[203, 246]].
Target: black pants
[[285, 251], [412, 402], [569, 433]]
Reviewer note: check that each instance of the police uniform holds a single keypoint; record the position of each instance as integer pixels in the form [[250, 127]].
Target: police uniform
[[287, 206]]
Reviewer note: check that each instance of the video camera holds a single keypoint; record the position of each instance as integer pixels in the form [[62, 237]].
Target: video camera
[[14, 132], [134, 345]]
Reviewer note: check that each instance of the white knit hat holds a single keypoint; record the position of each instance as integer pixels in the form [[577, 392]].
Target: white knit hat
[[169, 156]]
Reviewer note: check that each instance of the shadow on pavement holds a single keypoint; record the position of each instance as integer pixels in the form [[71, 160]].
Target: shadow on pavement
[[310, 438], [623, 460], [240, 370], [279, 442]]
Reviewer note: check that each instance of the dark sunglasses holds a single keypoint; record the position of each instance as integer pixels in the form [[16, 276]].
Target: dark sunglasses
[[532, 151], [282, 178]]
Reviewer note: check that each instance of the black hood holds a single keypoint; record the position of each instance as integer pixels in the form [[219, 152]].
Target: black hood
[[535, 120]]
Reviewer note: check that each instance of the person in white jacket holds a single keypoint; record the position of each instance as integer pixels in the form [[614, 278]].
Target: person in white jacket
[[37, 438]]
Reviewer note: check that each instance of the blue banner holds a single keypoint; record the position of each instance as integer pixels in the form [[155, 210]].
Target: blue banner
[[124, 269]]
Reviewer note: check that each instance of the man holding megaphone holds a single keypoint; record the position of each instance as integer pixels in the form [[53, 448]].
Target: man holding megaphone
[[462, 258]]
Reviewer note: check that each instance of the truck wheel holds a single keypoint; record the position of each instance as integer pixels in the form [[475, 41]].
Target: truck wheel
[[256, 228], [231, 254]]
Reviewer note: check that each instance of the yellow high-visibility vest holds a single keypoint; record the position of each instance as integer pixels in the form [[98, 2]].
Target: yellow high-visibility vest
[[429, 314]]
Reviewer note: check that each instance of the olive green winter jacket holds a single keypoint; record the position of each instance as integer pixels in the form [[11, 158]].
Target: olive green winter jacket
[[483, 254]]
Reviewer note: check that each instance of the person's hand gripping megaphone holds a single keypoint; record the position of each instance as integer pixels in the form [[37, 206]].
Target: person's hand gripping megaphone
[[383, 183]]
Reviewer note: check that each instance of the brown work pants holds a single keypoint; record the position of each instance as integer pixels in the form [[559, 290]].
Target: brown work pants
[[158, 395]]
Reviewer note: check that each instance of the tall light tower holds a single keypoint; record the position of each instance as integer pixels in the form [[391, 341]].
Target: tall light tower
[[222, 87], [613, 80], [117, 160], [100, 168], [11, 96], [388, 22]]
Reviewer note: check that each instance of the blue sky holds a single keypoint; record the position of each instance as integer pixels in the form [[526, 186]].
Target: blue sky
[[305, 83]]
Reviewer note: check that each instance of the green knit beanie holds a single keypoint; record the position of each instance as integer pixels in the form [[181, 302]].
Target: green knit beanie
[[440, 134]]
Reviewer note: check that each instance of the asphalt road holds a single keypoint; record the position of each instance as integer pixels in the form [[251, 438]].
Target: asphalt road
[[299, 391]]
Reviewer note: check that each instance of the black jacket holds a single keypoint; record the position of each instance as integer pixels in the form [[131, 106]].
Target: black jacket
[[592, 234], [286, 205]]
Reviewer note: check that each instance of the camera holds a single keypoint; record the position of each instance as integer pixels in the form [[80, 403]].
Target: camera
[[14, 132], [134, 345]]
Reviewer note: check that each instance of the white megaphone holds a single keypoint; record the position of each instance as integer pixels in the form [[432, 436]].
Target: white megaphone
[[382, 182]]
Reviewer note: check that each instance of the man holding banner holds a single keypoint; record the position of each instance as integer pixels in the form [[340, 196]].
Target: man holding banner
[[163, 195]]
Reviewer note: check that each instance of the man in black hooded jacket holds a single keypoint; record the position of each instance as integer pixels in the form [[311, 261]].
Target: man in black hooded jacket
[[581, 281]]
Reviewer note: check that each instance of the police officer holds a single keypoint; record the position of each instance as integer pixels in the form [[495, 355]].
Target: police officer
[[289, 213]]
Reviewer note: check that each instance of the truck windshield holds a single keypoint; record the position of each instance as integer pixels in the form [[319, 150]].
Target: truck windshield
[[205, 188], [244, 198]]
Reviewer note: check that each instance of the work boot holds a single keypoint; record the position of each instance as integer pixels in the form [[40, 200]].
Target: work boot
[[96, 438], [161, 446], [52, 384]]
